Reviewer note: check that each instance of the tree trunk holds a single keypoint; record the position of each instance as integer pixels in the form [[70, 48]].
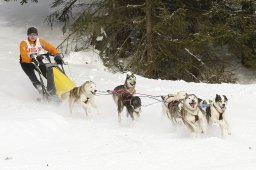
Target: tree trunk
[[149, 31]]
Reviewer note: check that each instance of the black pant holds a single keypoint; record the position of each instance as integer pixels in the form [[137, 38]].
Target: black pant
[[29, 69]]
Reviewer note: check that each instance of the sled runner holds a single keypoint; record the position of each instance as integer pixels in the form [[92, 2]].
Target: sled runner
[[57, 82]]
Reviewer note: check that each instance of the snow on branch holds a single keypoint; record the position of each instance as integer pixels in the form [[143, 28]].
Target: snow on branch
[[196, 57], [138, 21], [135, 6]]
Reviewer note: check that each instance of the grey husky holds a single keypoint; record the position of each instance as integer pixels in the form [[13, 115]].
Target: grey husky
[[172, 106], [192, 115]]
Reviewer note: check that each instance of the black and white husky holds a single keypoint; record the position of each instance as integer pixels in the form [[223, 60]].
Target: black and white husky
[[192, 115], [123, 97], [83, 95], [216, 113], [132, 105]]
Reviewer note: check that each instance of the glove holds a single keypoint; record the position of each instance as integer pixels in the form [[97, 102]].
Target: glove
[[40, 58], [58, 59], [35, 61]]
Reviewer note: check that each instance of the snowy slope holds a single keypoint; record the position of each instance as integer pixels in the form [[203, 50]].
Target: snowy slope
[[44, 136], [38, 135]]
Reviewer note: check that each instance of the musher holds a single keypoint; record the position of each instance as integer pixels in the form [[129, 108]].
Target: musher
[[33, 46]]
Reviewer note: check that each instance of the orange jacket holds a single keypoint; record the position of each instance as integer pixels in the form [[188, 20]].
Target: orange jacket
[[25, 58]]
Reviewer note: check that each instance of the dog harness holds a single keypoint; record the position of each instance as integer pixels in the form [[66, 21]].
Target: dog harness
[[130, 101], [172, 103], [221, 113], [203, 106], [196, 118]]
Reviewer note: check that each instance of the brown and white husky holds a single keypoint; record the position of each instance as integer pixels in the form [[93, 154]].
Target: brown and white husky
[[83, 95]]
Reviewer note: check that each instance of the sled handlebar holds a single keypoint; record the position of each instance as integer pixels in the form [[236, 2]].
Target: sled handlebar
[[40, 57]]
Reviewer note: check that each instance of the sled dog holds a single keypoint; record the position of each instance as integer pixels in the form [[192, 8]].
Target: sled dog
[[129, 86], [204, 104], [192, 115], [172, 106], [216, 113], [123, 97], [132, 105], [83, 94]]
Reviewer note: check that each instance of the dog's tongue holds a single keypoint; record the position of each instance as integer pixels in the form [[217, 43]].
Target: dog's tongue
[[192, 105]]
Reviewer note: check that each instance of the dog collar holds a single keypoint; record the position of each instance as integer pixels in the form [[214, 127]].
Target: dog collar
[[87, 99], [218, 109]]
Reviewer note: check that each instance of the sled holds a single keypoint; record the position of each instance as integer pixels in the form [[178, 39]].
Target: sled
[[57, 82]]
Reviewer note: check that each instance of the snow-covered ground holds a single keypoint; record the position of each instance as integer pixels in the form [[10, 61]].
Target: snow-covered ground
[[40, 136]]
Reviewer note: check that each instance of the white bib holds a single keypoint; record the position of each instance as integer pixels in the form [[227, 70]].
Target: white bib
[[31, 49]]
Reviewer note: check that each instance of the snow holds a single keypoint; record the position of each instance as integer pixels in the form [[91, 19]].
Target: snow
[[40, 135]]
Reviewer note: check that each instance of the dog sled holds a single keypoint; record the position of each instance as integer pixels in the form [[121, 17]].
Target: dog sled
[[52, 76]]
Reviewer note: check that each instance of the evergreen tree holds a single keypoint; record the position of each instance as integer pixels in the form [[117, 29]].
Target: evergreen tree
[[195, 40]]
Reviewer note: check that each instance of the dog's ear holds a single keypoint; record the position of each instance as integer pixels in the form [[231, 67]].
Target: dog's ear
[[225, 98], [195, 96], [186, 96], [127, 76], [199, 100], [217, 98]]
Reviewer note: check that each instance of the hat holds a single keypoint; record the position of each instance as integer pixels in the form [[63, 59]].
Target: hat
[[32, 30]]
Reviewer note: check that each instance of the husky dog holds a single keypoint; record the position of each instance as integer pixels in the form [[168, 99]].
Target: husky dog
[[192, 115], [172, 106], [83, 94], [129, 86], [216, 113], [132, 104], [204, 104], [123, 97]]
